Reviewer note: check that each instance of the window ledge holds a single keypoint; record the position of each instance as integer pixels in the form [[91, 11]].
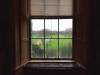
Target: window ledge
[[51, 61]]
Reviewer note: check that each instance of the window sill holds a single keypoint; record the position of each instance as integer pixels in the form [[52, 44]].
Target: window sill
[[51, 61]]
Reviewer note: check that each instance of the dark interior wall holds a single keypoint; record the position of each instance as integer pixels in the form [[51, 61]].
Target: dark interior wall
[[93, 63], [6, 37]]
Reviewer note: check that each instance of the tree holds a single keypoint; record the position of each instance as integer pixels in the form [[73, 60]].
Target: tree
[[61, 32], [48, 32], [54, 32], [68, 32], [31, 29]]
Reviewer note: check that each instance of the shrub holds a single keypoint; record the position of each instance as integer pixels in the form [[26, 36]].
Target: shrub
[[66, 50], [51, 52], [36, 51], [69, 47]]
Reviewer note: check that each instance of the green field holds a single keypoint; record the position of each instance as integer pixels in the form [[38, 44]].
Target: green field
[[54, 42], [53, 36]]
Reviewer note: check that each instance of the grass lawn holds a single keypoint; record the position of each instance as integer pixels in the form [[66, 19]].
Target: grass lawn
[[34, 36], [63, 36], [49, 36], [64, 41], [54, 41], [53, 36]]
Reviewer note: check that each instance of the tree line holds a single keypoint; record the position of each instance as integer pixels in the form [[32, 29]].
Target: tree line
[[48, 32]]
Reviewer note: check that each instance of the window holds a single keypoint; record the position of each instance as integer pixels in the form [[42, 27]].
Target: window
[[51, 38], [51, 24]]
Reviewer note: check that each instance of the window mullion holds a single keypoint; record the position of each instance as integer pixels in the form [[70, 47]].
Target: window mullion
[[58, 38], [44, 38]]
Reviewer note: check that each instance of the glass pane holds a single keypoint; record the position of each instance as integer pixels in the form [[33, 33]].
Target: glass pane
[[37, 28], [37, 48], [51, 48], [65, 28], [51, 28], [65, 48]]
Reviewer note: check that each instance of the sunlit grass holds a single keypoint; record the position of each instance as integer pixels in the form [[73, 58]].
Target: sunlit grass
[[63, 36]]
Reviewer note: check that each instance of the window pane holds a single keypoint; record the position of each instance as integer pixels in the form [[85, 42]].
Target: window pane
[[65, 48], [37, 28], [51, 28], [51, 48], [65, 28], [37, 48]]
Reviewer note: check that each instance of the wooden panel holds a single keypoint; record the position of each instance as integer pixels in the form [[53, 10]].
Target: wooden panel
[[24, 40], [23, 28], [23, 6], [85, 24], [78, 40], [79, 26], [17, 35], [19, 71], [24, 52], [79, 7], [79, 51], [17, 46], [24, 18]]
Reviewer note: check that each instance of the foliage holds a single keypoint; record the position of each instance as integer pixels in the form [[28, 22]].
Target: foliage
[[37, 51], [69, 47], [51, 52], [66, 50], [31, 29], [33, 54], [68, 32], [47, 45]]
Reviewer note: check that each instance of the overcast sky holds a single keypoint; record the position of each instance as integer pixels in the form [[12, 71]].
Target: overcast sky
[[51, 24]]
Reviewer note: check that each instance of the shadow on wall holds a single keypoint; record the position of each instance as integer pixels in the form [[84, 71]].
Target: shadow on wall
[[93, 62], [5, 48], [6, 33]]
